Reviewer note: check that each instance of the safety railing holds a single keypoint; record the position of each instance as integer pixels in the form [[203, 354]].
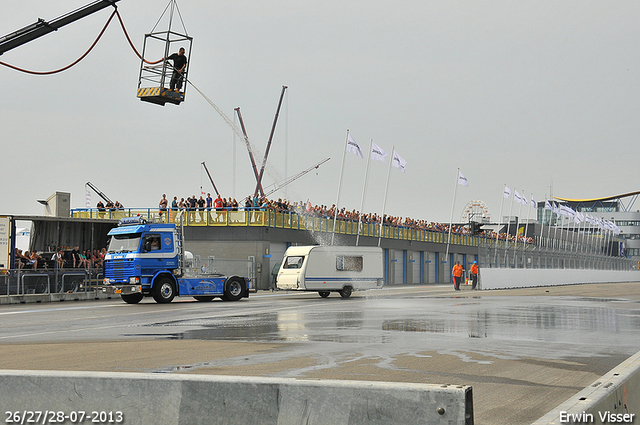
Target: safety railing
[[313, 223], [282, 220], [28, 281]]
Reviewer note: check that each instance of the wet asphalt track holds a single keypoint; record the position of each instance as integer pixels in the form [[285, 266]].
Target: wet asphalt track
[[524, 351]]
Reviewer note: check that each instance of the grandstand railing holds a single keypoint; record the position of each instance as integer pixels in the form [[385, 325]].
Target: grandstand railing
[[313, 223], [282, 220]]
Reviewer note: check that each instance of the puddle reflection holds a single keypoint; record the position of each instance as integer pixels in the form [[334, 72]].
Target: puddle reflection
[[384, 323]]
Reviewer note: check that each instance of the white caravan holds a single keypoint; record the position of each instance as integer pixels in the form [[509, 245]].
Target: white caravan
[[326, 269]]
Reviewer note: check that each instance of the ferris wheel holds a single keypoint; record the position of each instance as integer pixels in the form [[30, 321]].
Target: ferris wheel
[[476, 211]]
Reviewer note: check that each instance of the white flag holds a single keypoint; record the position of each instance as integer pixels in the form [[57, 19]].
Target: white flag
[[353, 147], [398, 161], [533, 204], [507, 192], [378, 153], [547, 206], [462, 179], [524, 200], [567, 211], [615, 228], [517, 197]]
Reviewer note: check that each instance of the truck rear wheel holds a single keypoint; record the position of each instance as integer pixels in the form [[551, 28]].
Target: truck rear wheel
[[324, 294], [164, 290], [233, 289], [132, 298], [345, 292]]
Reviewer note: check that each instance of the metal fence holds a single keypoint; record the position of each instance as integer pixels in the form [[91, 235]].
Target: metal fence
[[30, 281], [281, 220], [532, 256], [566, 249]]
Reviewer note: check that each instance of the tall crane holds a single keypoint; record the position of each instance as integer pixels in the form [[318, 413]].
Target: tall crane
[[278, 186], [96, 190], [211, 179], [42, 27]]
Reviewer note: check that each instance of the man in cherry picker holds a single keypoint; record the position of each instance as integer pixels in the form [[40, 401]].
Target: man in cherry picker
[[179, 65]]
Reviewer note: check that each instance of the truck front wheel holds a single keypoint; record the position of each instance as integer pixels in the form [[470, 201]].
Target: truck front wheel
[[164, 291], [132, 298], [233, 289], [324, 294]]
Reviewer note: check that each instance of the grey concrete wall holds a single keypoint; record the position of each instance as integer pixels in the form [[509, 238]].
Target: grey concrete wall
[[527, 278], [616, 393], [74, 296], [198, 399]]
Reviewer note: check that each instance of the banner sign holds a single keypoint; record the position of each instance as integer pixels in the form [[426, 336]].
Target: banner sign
[[5, 234]]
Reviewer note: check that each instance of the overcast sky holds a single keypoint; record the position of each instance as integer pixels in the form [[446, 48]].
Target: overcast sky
[[542, 96]]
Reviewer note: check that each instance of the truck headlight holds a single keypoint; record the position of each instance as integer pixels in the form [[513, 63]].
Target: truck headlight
[[134, 280]]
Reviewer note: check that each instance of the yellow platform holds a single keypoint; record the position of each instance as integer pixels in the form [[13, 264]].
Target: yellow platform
[[160, 95]]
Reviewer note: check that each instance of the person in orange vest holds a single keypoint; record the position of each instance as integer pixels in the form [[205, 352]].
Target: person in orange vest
[[474, 275], [457, 275]]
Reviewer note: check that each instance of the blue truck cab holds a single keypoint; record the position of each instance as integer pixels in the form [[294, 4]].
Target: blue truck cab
[[148, 259]]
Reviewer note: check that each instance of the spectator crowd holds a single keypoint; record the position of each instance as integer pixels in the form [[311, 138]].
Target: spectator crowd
[[193, 204], [61, 258]]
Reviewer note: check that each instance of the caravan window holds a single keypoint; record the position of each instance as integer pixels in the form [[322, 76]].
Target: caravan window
[[293, 262], [348, 264]]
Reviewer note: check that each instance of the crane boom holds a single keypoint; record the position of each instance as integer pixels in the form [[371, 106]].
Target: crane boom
[[42, 27], [96, 190], [266, 153], [279, 186], [212, 183]]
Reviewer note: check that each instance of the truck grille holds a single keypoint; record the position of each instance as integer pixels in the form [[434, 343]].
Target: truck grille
[[119, 269]]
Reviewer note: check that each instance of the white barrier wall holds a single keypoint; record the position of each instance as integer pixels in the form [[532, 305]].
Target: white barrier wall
[[614, 398], [153, 399], [527, 278]]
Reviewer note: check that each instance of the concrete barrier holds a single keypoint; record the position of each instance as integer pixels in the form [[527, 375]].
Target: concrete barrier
[[62, 296], [614, 398], [527, 278], [132, 398]]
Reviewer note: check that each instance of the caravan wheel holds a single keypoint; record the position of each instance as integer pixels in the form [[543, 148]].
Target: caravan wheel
[[324, 294], [346, 292]]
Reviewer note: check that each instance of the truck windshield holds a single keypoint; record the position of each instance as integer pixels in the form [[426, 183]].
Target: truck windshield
[[124, 243]]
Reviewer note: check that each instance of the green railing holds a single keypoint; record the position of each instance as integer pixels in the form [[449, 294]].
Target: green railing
[[274, 219]]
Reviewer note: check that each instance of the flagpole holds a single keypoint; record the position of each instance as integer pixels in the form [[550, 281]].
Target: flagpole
[[453, 202], [592, 249], [541, 233], [364, 189], [549, 230], [541, 227], [386, 188], [500, 218], [581, 241], [506, 245], [335, 213], [555, 228], [515, 242], [526, 228]]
